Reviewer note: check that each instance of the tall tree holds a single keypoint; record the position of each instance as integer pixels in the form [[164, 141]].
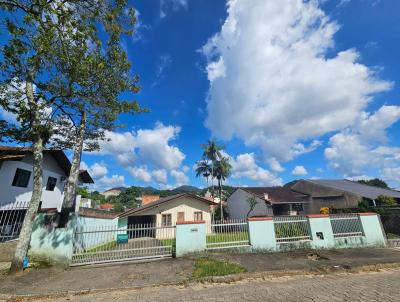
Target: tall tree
[[46, 78], [203, 169], [212, 152], [222, 170]]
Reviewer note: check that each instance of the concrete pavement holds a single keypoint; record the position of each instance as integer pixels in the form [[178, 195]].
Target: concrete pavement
[[365, 287]]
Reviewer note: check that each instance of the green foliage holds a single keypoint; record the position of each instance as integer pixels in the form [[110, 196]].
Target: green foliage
[[206, 267], [252, 202], [83, 191], [376, 182], [385, 200], [283, 230]]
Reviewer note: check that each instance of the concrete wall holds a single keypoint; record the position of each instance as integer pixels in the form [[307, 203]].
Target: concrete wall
[[325, 197], [238, 206], [11, 194], [190, 238], [50, 243]]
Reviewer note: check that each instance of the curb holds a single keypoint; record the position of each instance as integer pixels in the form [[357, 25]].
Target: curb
[[267, 275]]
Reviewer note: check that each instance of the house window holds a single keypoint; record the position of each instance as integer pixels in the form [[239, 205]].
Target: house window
[[21, 178], [51, 183], [198, 216], [181, 216], [166, 220]]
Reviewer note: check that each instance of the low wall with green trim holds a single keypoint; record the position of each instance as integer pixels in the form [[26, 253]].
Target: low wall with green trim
[[49, 243]]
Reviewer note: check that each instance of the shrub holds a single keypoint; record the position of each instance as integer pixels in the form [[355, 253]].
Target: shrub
[[324, 210], [386, 200]]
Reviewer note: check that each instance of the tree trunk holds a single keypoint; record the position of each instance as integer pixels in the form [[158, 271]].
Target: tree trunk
[[70, 187], [26, 230], [220, 199]]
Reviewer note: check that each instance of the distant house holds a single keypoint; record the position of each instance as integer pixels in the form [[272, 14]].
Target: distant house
[[149, 198], [113, 192], [107, 206], [339, 193], [168, 210], [270, 201], [16, 179]]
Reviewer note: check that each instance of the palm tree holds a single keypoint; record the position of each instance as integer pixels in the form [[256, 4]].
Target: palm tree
[[212, 152], [222, 170], [203, 168]]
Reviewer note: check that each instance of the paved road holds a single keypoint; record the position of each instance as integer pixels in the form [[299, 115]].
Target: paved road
[[382, 286]]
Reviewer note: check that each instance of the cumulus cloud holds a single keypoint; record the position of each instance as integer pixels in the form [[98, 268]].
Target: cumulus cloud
[[180, 177], [106, 182], [365, 145], [146, 154], [245, 166], [97, 170], [299, 171], [276, 80]]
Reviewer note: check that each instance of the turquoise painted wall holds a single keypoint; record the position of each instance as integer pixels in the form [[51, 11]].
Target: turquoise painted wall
[[262, 235], [50, 243], [321, 225], [374, 234], [190, 238]]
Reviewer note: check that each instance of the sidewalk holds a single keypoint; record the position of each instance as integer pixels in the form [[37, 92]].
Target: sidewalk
[[174, 271]]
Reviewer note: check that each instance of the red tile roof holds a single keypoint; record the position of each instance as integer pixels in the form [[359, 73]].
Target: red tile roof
[[106, 206]]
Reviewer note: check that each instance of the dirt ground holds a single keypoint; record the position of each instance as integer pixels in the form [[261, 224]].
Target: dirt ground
[[178, 271]]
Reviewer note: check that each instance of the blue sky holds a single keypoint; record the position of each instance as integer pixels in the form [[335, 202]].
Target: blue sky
[[291, 89]]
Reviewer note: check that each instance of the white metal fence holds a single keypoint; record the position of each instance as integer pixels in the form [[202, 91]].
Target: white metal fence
[[346, 225], [291, 228], [227, 234], [11, 219], [135, 242]]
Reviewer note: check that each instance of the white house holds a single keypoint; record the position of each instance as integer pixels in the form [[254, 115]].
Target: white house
[[270, 201], [16, 178], [165, 212]]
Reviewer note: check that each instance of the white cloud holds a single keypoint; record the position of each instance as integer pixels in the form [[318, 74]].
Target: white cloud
[[146, 154], [171, 5], [97, 170], [164, 62], [245, 166], [364, 146], [275, 165], [299, 171], [145, 147], [153, 146], [160, 176], [105, 182], [180, 177], [282, 86], [140, 173]]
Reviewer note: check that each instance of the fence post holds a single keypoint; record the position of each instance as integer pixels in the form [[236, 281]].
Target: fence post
[[190, 237], [321, 231], [373, 231], [262, 233]]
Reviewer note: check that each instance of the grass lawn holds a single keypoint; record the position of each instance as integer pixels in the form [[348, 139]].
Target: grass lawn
[[103, 247], [392, 236], [227, 237], [206, 267]]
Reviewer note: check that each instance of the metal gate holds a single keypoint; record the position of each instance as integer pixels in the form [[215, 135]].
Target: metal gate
[[111, 244], [227, 234]]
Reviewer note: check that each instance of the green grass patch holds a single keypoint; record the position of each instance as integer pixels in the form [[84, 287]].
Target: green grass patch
[[392, 236], [206, 267], [102, 247], [166, 242], [227, 237]]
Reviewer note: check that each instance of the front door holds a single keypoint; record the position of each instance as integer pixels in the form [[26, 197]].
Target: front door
[[181, 216]]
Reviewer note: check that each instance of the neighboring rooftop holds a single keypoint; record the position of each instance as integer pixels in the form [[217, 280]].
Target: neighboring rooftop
[[277, 194], [163, 201], [355, 187], [19, 153]]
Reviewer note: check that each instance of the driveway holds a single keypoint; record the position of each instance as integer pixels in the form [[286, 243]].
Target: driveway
[[365, 287]]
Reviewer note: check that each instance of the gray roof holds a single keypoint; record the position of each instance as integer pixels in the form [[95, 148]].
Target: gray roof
[[355, 188], [162, 201]]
